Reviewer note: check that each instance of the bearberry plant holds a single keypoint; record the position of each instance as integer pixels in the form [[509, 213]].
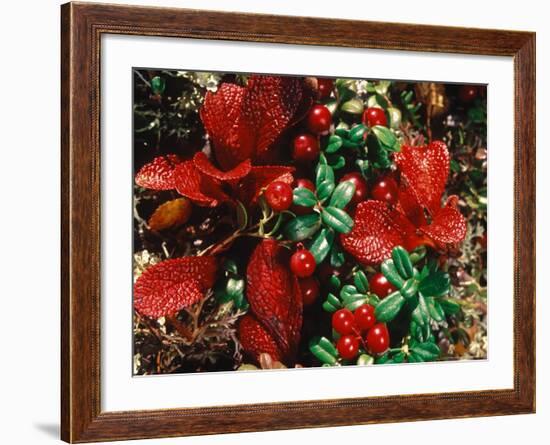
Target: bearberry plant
[[288, 221]]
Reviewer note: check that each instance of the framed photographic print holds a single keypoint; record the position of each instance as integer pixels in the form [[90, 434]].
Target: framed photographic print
[[285, 222]]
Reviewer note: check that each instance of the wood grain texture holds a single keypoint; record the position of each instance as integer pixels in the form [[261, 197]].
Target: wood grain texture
[[82, 27]]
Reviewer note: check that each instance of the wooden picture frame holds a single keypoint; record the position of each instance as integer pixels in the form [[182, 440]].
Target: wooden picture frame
[[82, 419]]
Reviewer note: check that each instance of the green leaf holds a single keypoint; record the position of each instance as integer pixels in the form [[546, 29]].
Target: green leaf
[[421, 315], [302, 227], [395, 117], [436, 284], [365, 359], [427, 351], [304, 197], [390, 272], [381, 87], [317, 348], [337, 218], [334, 144], [321, 244], [325, 189], [402, 262], [234, 287], [230, 266], [389, 307], [333, 300], [323, 173], [342, 194], [327, 307], [451, 306], [337, 258], [337, 162], [435, 310], [158, 85], [357, 133], [345, 89], [409, 288], [353, 106], [361, 282], [327, 345], [386, 138]]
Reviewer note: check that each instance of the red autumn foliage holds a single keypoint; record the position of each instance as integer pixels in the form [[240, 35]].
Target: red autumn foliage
[[167, 287], [243, 123], [418, 218], [158, 174], [255, 339], [275, 301]]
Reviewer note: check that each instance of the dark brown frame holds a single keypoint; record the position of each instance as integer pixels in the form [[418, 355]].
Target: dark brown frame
[[82, 26]]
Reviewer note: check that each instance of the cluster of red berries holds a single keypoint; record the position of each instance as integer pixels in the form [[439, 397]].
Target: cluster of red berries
[[359, 328], [305, 146]]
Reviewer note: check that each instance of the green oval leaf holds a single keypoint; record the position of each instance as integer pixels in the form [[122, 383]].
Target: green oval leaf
[[337, 219], [427, 351], [357, 133], [302, 227], [386, 138], [321, 244], [334, 144], [342, 194], [361, 282], [436, 284], [389, 307], [449, 305], [325, 189], [402, 262], [158, 85], [390, 272], [304, 197], [353, 106], [323, 173]]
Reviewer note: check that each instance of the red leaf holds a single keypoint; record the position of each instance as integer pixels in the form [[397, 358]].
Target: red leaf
[[260, 177], [269, 106], [244, 122], [274, 295], [255, 339], [171, 285], [199, 188], [221, 116], [424, 170], [447, 227], [203, 164], [158, 174], [377, 230]]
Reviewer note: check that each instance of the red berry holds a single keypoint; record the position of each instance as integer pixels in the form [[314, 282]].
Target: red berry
[[468, 93], [319, 119], [364, 317], [343, 321], [385, 189], [307, 184], [305, 147], [375, 116], [279, 196], [310, 290], [380, 285], [378, 338], [302, 263], [348, 347], [361, 190], [324, 87]]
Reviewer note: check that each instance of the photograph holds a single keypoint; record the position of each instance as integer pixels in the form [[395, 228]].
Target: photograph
[[303, 221]]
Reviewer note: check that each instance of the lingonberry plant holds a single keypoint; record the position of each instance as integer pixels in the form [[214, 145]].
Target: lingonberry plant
[[288, 221]]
